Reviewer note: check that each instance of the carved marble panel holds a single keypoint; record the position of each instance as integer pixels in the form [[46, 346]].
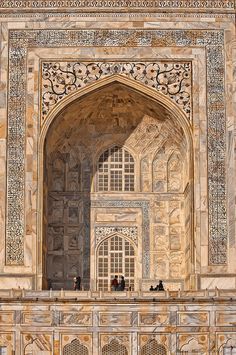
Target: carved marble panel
[[155, 319], [186, 342], [7, 317], [76, 318], [174, 171], [37, 318], [112, 319], [36, 343], [193, 318], [226, 318]]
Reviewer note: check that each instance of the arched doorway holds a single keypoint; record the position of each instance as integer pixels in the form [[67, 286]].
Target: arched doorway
[[115, 256], [123, 164]]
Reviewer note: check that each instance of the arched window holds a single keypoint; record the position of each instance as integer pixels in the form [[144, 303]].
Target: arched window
[[74, 348], [115, 257], [114, 348], [153, 348], [115, 170]]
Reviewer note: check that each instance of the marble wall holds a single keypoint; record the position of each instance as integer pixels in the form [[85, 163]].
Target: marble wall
[[182, 60], [130, 323]]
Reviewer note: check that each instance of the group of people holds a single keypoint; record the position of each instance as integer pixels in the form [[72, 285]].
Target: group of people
[[116, 285], [159, 287]]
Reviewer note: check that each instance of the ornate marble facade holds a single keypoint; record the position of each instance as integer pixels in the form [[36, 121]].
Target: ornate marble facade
[[152, 82]]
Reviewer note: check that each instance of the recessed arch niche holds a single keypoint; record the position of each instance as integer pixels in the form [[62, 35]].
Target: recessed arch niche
[[116, 112]]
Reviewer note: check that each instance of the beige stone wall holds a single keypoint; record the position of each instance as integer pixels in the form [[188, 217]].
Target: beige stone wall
[[30, 38], [177, 323]]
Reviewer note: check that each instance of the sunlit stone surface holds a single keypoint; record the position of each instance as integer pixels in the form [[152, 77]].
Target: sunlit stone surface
[[117, 135]]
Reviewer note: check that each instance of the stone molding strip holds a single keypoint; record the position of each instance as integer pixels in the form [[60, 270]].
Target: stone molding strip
[[120, 5]]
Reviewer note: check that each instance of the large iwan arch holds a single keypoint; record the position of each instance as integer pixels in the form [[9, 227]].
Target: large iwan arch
[[118, 112]]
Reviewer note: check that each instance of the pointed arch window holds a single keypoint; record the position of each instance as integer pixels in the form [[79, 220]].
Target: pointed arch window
[[153, 348], [116, 256], [115, 170], [75, 347]]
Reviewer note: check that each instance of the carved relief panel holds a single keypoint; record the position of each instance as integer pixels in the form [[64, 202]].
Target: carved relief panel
[[33, 343], [67, 228]]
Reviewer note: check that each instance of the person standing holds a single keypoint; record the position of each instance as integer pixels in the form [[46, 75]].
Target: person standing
[[77, 282], [122, 284], [114, 283], [160, 286]]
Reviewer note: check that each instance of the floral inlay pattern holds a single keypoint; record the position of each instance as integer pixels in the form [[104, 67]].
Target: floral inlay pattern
[[62, 78]]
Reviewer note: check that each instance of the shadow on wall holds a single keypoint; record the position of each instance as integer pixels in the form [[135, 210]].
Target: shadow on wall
[[84, 159]]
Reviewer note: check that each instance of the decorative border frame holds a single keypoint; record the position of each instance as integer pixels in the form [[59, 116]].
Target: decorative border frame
[[118, 4], [211, 40]]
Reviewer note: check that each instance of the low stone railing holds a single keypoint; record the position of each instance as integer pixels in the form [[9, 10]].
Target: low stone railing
[[113, 295]]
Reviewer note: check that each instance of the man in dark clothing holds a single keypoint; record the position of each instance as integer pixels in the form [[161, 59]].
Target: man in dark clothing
[[77, 282], [114, 283], [122, 284], [160, 286]]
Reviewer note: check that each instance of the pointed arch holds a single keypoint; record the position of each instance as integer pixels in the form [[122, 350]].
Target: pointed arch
[[115, 348], [152, 347], [115, 170], [171, 109], [115, 255]]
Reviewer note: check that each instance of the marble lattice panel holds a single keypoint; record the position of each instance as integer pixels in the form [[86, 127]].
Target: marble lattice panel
[[76, 343], [110, 343]]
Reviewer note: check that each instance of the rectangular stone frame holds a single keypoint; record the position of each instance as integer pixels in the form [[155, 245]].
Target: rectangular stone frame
[[21, 40]]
